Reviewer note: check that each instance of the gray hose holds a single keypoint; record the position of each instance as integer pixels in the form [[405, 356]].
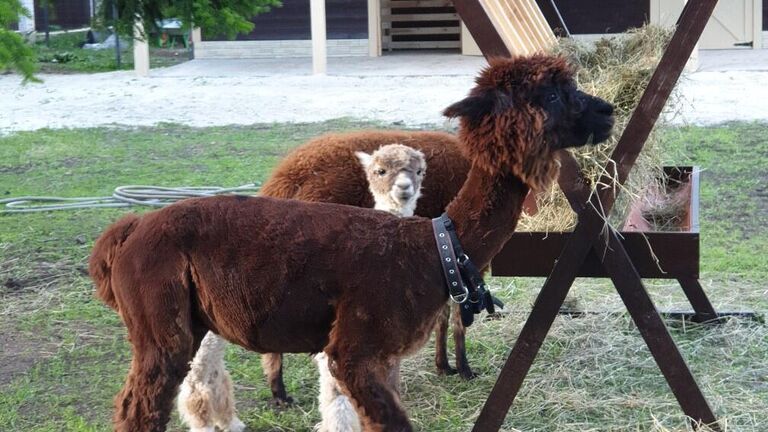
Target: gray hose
[[123, 196]]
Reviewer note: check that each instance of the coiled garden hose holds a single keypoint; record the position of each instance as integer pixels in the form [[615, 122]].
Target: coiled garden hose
[[123, 196]]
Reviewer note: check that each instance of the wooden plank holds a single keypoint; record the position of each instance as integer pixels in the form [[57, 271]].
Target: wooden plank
[[677, 254], [417, 3], [390, 17], [518, 17], [698, 299], [545, 309], [481, 28], [690, 26], [425, 30], [512, 38], [553, 18], [640, 306], [543, 31], [514, 25], [425, 44]]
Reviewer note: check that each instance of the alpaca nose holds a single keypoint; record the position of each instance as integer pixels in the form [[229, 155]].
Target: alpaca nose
[[603, 107], [403, 183]]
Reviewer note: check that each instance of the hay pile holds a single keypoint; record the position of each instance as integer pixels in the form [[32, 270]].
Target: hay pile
[[616, 69]]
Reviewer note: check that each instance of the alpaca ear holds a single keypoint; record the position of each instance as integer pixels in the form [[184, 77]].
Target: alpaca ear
[[475, 107], [419, 154], [364, 158]]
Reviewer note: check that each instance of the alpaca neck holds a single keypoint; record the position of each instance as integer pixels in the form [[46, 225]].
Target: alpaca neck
[[485, 212]]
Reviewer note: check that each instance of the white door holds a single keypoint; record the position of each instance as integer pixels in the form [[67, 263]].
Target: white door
[[734, 24]]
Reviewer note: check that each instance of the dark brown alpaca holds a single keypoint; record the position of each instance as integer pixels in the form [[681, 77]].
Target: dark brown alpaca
[[325, 169], [363, 286]]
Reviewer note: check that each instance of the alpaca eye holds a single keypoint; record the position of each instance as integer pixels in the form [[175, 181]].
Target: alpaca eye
[[553, 97], [381, 172], [419, 172]]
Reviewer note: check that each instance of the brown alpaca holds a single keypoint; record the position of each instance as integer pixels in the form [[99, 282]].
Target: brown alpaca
[[325, 170], [363, 286]]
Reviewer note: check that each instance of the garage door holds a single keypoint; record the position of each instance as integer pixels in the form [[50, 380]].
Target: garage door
[[734, 24]]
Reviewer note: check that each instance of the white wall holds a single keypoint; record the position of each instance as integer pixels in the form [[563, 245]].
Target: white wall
[[27, 25]]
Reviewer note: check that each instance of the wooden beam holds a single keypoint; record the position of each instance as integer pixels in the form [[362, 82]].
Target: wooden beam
[[553, 17], [555, 289], [140, 50], [319, 53], [481, 28], [374, 28]]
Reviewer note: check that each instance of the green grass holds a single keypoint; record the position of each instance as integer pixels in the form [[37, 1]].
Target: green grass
[[64, 55], [64, 355], [734, 195]]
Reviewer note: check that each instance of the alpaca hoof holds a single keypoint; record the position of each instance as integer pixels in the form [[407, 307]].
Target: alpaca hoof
[[467, 374], [235, 426], [446, 370], [280, 403]]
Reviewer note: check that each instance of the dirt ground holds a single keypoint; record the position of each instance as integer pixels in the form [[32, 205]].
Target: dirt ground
[[403, 89]]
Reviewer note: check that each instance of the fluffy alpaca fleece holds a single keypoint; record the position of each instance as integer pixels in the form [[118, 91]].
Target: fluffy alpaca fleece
[[289, 276], [325, 170], [206, 399], [337, 411], [394, 173]]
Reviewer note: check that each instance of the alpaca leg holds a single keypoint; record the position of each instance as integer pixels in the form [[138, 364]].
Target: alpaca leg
[[377, 403], [272, 364], [146, 400], [207, 398], [459, 334], [441, 343], [225, 414], [393, 376], [337, 413]]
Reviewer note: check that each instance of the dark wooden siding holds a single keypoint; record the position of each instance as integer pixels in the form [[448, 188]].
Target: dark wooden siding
[[65, 14], [603, 16], [345, 19], [765, 15]]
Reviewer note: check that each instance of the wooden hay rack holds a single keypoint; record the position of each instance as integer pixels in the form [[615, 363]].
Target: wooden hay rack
[[593, 251]]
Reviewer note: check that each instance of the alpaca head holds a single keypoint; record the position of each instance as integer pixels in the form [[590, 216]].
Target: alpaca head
[[521, 110], [394, 173]]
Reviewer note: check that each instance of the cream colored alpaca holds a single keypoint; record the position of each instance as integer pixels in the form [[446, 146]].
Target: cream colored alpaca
[[206, 399], [394, 173]]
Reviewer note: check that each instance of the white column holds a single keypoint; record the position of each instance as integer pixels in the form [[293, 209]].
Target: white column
[[140, 50], [197, 38], [197, 35], [374, 28], [757, 24], [317, 16], [27, 25]]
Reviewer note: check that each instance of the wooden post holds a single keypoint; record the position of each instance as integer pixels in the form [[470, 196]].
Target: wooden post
[[197, 38], [140, 50], [374, 28], [317, 16]]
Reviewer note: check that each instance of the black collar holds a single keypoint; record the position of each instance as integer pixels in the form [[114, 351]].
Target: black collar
[[465, 283]]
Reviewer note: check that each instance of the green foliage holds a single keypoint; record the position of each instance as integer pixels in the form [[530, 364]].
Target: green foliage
[[221, 17], [63, 54], [14, 53]]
